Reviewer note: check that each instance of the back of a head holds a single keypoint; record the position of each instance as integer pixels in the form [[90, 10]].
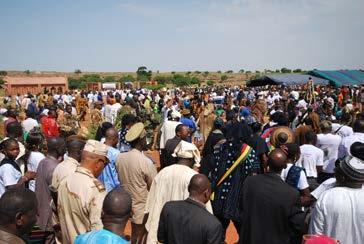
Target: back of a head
[[75, 143], [277, 160], [293, 150], [326, 126], [198, 184], [56, 145], [128, 119], [308, 121], [359, 126], [14, 201], [179, 128], [111, 133], [357, 150], [311, 137], [117, 204], [14, 129]]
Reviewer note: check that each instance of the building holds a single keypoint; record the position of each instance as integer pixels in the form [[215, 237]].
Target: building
[[34, 84]]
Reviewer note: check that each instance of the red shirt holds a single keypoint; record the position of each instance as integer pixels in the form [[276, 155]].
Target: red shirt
[[50, 127]]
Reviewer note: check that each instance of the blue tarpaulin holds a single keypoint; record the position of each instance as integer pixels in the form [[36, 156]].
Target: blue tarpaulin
[[341, 77], [286, 79]]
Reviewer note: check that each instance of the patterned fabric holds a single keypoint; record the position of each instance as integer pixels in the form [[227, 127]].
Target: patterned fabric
[[293, 176], [124, 146], [226, 201]]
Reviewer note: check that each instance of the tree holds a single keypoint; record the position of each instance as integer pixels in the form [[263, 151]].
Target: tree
[[27, 71], [297, 71], [206, 73], [109, 79], [219, 72], [74, 83], [163, 79], [78, 71], [143, 74], [241, 71], [197, 72], [278, 71], [248, 72], [173, 72], [257, 72], [181, 80], [224, 78], [2, 82], [229, 72], [3, 73], [285, 70], [126, 78], [210, 82]]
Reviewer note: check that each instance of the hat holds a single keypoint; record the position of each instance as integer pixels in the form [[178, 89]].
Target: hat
[[353, 168], [175, 114], [187, 150], [96, 147], [186, 112], [282, 135], [135, 132]]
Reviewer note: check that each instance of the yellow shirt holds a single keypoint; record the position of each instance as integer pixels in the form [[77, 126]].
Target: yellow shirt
[[80, 198]]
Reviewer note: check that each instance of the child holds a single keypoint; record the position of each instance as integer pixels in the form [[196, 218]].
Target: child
[[10, 173], [34, 144]]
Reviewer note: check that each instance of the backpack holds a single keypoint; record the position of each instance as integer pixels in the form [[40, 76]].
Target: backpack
[[293, 176]]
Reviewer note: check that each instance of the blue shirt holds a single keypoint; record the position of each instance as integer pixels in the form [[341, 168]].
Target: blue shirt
[[99, 236], [109, 176]]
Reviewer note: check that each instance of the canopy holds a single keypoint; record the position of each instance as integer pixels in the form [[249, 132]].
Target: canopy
[[286, 79], [341, 77]]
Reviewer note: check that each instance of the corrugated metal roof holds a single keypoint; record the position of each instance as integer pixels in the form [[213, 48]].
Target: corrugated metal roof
[[286, 79], [341, 77]]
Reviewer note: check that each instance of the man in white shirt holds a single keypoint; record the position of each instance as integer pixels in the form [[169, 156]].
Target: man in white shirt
[[357, 136], [329, 143], [339, 211], [312, 159], [115, 108], [29, 123]]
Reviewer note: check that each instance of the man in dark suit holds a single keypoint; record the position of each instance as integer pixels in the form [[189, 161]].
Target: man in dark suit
[[182, 133], [188, 221], [270, 208]]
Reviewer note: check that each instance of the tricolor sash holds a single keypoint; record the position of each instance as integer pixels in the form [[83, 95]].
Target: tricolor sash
[[245, 152]]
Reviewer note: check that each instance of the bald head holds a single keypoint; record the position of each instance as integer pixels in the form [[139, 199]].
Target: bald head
[[277, 160], [200, 187], [56, 146], [111, 137], [117, 204], [75, 145]]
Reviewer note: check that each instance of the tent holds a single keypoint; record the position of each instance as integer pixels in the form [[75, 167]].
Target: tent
[[286, 79], [341, 77]]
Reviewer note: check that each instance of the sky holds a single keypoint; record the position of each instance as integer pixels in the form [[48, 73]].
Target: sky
[[181, 35]]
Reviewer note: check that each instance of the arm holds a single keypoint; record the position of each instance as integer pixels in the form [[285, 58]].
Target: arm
[[320, 162], [317, 220], [95, 208]]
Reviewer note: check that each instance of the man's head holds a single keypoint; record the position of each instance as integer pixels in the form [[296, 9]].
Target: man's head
[[182, 131], [52, 113], [111, 137], [75, 145], [116, 208], [94, 157], [136, 136], [56, 147], [200, 188], [277, 160], [311, 138], [326, 127], [18, 211], [69, 109], [359, 126], [14, 130]]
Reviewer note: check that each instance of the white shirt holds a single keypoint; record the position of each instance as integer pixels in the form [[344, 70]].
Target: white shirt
[[28, 124], [339, 213], [107, 113], [114, 111], [342, 130], [348, 141], [168, 131], [302, 182], [329, 143], [8, 176], [33, 162], [311, 157]]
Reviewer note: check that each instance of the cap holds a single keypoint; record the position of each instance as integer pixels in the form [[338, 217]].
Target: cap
[[96, 147], [135, 132], [187, 150], [353, 168]]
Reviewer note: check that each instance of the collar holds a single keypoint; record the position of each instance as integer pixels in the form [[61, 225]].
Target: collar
[[84, 171], [72, 160], [190, 200]]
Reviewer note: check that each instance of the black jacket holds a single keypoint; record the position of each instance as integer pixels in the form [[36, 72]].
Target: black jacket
[[271, 211], [183, 222]]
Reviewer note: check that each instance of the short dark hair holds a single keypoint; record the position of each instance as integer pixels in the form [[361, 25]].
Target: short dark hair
[[179, 128], [358, 125], [128, 119], [311, 137], [14, 201], [6, 143], [117, 203]]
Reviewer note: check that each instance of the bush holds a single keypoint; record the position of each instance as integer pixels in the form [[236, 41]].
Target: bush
[[229, 72], [241, 71], [109, 79], [206, 73], [2, 82], [180, 80], [224, 77], [219, 72], [297, 71], [210, 82], [163, 79], [154, 87], [285, 70], [126, 78], [27, 71], [3, 73], [78, 71]]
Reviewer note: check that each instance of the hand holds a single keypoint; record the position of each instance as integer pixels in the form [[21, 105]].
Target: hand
[[30, 175]]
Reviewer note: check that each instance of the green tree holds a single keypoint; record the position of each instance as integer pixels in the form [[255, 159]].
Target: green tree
[[27, 71], [297, 71], [2, 82], [197, 72], [143, 74], [285, 70], [210, 82], [109, 79], [188, 72], [206, 73], [78, 71], [248, 72], [224, 77], [257, 72], [278, 71], [3, 73], [126, 78], [219, 72], [163, 79], [74, 83], [229, 72], [173, 72], [241, 71]]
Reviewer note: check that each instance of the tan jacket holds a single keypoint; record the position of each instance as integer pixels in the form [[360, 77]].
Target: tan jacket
[[64, 169], [80, 198], [136, 172], [7, 238]]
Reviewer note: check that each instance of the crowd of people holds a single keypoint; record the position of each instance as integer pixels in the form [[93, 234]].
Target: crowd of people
[[282, 164]]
